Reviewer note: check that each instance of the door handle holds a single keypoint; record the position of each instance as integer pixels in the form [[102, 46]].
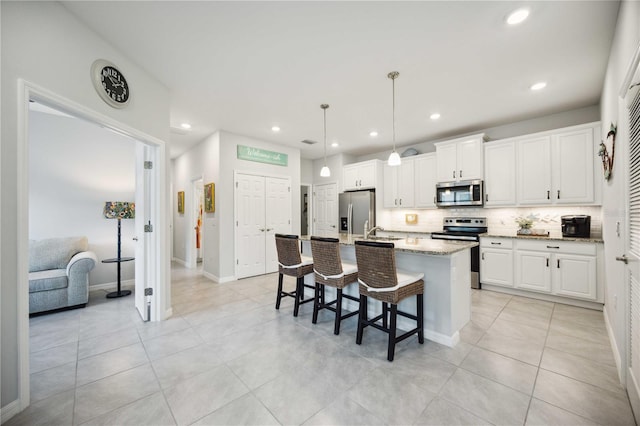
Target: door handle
[[261, 229], [333, 226], [623, 258], [135, 238]]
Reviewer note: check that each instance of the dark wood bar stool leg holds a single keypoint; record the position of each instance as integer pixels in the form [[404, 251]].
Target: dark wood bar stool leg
[[385, 314], [420, 319], [316, 303], [392, 332], [336, 328], [280, 277], [299, 290], [362, 318]]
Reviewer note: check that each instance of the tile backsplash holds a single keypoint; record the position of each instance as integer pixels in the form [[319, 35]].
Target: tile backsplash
[[499, 220]]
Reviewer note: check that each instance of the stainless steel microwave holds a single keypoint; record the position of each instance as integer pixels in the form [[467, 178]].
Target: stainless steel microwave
[[460, 193]]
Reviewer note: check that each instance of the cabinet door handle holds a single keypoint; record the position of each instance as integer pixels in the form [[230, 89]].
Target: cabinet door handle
[[558, 194], [482, 256], [558, 263], [553, 247], [400, 201], [547, 262], [548, 195], [434, 199], [460, 173], [496, 244], [486, 197], [395, 201], [454, 174]]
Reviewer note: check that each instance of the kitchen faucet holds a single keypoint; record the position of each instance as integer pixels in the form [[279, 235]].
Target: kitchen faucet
[[372, 230]]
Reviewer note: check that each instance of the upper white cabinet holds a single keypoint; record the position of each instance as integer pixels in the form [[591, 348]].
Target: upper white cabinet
[[572, 174], [360, 175], [425, 180], [534, 170], [557, 168], [499, 174], [399, 185], [460, 159]]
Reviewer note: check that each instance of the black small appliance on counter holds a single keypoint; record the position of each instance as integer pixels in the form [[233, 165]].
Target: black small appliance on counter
[[578, 226]]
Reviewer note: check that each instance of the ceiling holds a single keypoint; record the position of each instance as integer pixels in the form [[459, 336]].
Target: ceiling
[[244, 67]]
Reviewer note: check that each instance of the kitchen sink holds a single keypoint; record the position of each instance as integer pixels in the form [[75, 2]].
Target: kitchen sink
[[377, 238]]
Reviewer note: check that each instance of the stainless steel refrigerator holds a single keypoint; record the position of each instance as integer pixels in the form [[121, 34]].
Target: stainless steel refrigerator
[[355, 208]]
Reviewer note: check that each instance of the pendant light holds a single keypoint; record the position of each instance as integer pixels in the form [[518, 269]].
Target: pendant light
[[394, 158], [325, 172]]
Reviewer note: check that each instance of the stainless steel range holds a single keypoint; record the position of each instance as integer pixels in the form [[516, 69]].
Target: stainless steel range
[[465, 229]]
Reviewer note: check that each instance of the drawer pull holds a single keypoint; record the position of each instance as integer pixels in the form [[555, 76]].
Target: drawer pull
[[553, 247], [496, 244]]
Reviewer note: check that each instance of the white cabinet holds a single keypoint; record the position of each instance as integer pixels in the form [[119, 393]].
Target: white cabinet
[[399, 184], [360, 175], [572, 155], [460, 159], [496, 261], [499, 174], [557, 169], [533, 271], [534, 170], [425, 180], [560, 268]]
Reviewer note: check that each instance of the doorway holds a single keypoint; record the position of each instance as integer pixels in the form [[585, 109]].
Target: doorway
[[325, 202], [151, 247], [196, 249], [305, 210]]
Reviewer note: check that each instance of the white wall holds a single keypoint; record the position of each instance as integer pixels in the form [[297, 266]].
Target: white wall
[[306, 171], [44, 44], [614, 205], [524, 127], [74, 167]]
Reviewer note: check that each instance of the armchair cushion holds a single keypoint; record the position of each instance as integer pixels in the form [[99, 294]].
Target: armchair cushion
[[54, 253]]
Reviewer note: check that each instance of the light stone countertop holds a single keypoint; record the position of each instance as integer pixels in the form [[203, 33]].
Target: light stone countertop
[[425, 246], [552, 237]]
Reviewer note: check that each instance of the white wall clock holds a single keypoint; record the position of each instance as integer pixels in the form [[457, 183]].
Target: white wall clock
[[110, 83]]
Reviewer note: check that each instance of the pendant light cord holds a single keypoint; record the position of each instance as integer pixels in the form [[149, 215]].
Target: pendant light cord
[[393, 75], [324, 112]]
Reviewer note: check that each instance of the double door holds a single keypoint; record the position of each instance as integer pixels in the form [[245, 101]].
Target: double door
[[263, 209]]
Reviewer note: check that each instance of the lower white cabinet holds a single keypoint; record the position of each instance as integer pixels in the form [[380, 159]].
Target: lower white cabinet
[[561, 268], [557, 267], [496, 261]]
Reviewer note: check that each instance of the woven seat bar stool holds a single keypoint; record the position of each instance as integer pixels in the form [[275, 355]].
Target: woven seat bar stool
[[331, 271], [379, 279], [293, 264]]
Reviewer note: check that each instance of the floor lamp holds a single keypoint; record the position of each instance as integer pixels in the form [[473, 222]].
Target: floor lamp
[[119, 210]]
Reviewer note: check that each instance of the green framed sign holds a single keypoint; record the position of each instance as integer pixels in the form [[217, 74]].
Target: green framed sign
[[262, 156]]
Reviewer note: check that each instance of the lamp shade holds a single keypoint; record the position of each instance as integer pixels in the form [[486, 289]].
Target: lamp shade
[[119, 210]]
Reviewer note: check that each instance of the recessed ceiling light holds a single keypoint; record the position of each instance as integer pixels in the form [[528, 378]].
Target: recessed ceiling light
[[335, 144], [186, 126], [373, 134], [538, 86], [518, 16], [434, 116], [275, 129]]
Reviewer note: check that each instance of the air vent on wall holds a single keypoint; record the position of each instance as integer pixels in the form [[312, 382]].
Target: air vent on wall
[[309, 142]]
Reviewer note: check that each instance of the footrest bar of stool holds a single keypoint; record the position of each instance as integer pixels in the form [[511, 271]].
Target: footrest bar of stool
[[401, 337], [408, 315]]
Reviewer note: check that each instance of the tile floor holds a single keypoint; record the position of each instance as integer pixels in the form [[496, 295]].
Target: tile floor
[[228, 357]]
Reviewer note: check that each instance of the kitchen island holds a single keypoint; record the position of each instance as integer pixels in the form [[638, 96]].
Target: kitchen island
[[447, 282]]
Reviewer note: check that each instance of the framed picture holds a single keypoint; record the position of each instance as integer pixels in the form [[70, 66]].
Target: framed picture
[[181, 202], [210, 198]]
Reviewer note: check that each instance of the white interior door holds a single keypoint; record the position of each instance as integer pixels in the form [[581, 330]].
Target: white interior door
[[325, 202], [277, 217], [250, 225], [143, 193], [632, 255]]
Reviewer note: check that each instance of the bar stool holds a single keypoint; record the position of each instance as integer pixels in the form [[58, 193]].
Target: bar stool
[[379, 279], [330, 270], [293, 264]]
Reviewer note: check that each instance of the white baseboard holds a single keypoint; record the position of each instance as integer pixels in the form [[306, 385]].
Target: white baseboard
[[168, 313], [180, 261], [10, 410], [547, 297], [113, 285], [218, 279], [614, 348]]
